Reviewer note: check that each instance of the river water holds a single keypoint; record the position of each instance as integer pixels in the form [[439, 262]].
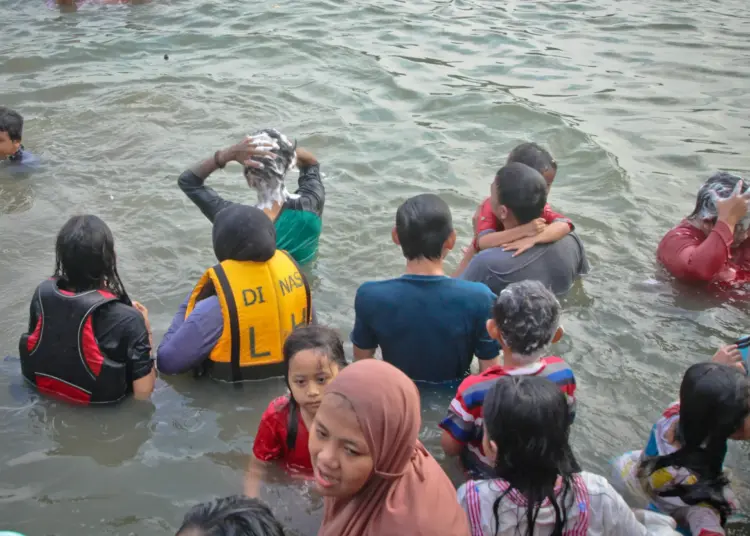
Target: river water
[[639, 101]]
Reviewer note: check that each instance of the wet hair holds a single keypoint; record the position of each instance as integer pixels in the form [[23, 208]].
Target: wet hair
[[320, 338], [528, 315], [243, 233], [522, 190], [714, 402], [527, 417], [269, 181], [423, 224], [236, 515], [721, 184], [85, 256], [533, 155], [12, 123]]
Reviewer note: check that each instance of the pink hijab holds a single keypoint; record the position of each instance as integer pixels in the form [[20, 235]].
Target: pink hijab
[[408, 493]]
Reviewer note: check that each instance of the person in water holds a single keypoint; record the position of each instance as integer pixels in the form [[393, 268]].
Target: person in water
[[231, 516], [234, 322], [313, 356], [489, 231], [266, 157], [526, 320], [12, 150], [87, 343], [375, 476], [711, 244], [427, 324], [681, 470], [538, 487], [519, 195]]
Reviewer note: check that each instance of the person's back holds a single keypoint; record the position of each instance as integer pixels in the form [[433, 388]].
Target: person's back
[[521, 194], [428, 325], [86, 343]]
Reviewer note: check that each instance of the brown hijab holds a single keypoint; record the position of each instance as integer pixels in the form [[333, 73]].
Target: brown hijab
[[408, 493]]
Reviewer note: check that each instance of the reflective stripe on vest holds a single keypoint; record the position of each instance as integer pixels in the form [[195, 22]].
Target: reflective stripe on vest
[[262, 303]]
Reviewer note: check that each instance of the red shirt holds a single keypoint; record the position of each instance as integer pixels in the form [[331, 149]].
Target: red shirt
[[270, 441], [487, 221], [688, 254]]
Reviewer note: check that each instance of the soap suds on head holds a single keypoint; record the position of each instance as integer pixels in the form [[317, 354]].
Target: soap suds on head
[[269, 181], [721, 185]]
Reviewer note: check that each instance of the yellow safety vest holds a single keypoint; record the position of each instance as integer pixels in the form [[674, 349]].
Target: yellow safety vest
[[262, 302]]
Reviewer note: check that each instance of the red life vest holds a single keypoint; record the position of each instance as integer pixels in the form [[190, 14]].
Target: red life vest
[[61, 357]]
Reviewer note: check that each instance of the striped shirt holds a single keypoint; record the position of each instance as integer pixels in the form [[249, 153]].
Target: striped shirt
[[464, 419]]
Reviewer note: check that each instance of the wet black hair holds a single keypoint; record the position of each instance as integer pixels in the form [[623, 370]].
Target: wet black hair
[[714, 402], [85, 257], [533, 155], [236, 515], [522, 190], [12, 123], [243, 233], [315, 337], [528, 418], [423, 224]]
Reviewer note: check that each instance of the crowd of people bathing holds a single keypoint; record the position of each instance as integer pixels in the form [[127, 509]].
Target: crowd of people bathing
[[353, 428]]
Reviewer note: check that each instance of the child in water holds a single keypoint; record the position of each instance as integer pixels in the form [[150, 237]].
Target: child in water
[[235, 516], [11, 138], [489, 232], [525, 321], [680, 472], [313, 355], [538, 487]]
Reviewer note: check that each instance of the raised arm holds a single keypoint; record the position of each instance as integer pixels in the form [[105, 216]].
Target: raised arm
[[311, 192]]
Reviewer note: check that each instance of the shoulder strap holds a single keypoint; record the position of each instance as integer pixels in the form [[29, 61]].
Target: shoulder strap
[[234, 323]]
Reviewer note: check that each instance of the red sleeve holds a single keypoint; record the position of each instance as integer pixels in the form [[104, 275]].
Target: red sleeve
[[550, 216], [486, 222], [687, 254], [269, 441]]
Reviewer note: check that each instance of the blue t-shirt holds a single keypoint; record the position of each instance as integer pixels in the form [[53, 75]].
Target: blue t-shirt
[[430, 327], [22, 161]]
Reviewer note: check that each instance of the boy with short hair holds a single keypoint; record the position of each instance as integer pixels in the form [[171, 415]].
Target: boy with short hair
[[489, 231], [427, 324], [11, 134], [525, 321], [236, 515]]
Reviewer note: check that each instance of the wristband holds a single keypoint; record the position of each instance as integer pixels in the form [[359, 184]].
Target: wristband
[[216, 161]]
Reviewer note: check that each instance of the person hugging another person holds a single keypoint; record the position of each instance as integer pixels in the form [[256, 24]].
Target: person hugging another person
[[427, 324], [313, 356], [681, 470], [711, 244], [87, 343], [489, 231], [519, 197], [235, 321], [376, 477], [525, 321], [266, 157], [537, 487]]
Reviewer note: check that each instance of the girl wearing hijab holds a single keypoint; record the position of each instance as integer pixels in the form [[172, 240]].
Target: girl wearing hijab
[[375, 475]]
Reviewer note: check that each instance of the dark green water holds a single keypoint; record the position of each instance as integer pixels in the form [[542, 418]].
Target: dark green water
[[639, 102]]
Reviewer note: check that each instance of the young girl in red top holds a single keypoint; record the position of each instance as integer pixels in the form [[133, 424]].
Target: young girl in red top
[[314, 355], [489, 232]]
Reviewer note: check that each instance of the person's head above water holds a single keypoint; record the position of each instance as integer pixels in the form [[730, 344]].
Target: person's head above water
[[424, 228], [369, 464], [11, 132], [231, 516], [268, 180], [720, 185], [243, 233], [526, 432], [518, 195], [536, 157], [85, 257], [714, 407], [525, 321]]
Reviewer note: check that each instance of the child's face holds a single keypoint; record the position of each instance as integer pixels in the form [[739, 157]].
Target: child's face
[[309, 372], [8, 147], [341, 458]]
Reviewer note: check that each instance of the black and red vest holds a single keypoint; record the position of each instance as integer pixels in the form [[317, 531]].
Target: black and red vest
[[61, 357]]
